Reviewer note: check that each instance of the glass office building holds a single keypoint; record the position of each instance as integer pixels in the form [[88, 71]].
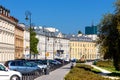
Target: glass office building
[[91, 30]]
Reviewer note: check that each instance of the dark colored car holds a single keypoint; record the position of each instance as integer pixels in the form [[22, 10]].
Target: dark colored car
[[38, 62]]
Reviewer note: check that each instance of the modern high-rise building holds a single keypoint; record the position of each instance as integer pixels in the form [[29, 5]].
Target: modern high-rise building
[[91, 30]]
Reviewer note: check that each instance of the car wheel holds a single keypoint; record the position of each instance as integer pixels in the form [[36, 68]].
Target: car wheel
[[15, 77]]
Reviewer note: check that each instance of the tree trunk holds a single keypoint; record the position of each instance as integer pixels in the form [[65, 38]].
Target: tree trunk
[[116, 58]]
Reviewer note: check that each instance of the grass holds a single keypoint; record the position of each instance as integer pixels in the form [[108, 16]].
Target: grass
[[95, 70], [84, 72], [108, 65]]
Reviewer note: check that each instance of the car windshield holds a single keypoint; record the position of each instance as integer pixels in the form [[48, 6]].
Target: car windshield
[[2, 68]]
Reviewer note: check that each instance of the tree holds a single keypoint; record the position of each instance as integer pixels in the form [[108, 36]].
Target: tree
[[79, 32], [109, 37], [104, 36], [33, 43], [116, 22]]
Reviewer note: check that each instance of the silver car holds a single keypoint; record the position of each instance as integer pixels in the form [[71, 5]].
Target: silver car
[[6, 74]]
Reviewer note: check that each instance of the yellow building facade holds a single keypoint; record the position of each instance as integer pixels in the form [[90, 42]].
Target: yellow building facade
[[83, 50], [19, 42]]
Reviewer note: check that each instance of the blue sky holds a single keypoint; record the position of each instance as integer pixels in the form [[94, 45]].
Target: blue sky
[[68, 16]]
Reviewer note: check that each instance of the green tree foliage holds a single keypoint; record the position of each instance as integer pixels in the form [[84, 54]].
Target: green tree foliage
[[33, 42], [79, 32], [109, 37], [104, 36]]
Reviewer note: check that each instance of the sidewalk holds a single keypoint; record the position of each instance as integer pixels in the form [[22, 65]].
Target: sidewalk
[[58, 74], [104, 72]]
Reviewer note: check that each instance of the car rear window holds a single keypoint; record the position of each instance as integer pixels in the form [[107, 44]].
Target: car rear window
[[2, 68], [13, 63]]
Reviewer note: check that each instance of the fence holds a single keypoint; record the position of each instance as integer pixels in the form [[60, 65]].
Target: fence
[[38, 73]]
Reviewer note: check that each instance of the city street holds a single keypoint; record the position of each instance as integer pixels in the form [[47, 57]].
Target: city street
[[59, 39]]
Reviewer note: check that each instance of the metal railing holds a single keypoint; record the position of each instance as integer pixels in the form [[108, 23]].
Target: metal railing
[[38, 73]]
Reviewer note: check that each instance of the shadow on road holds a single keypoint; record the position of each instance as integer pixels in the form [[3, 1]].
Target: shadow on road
[[66, 68]]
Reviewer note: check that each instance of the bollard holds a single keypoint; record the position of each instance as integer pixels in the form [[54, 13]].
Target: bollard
[[72, 65], [47, 69]]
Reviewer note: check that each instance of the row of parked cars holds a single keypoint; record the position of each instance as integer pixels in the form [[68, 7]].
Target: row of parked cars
[[23, 66]]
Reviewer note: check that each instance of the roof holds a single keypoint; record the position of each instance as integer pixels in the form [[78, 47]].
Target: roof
[[79, 38]]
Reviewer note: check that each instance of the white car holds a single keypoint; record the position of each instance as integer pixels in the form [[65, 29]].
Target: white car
[[6, 74]]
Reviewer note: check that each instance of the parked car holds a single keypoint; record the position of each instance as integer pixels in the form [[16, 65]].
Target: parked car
[[60, 60], [57, 62], [39, 63], [51, 63], [21, 66], [6, 74]]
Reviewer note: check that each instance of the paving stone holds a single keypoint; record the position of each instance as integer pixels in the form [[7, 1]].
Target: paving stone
[[57, 74]]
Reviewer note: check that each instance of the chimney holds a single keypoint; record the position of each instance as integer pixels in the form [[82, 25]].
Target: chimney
[[4, 11]]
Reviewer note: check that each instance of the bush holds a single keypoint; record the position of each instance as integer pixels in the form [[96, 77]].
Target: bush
[[114, 74], [95, 62], [80, 61], [86, 67]]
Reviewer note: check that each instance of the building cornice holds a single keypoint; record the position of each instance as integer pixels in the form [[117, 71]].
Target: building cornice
[[6, 30], [19, 27], [6, 43], [8, 19]]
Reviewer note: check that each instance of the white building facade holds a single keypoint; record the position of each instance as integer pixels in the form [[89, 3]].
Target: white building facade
[[41, 46], [26, 51], [7, 29], [49, 45], [26, 44]]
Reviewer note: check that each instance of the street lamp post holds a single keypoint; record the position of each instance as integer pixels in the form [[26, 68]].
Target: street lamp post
[[46, 70], [53, 46], [28, 17], [54, 40], [45, 42], [85, 55], [70, 52], [53, 35]]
